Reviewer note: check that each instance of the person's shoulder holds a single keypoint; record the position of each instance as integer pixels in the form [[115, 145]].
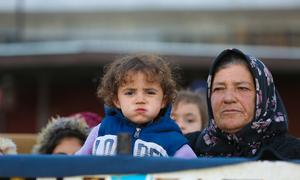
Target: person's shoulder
[[193, 135], [288, 140], [292, 141], [289, 147], [193, 138]]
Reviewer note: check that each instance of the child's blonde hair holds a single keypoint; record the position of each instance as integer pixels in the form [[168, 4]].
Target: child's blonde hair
[[154, 67]]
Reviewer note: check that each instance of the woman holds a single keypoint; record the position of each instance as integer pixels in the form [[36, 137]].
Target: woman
[[247, 115]]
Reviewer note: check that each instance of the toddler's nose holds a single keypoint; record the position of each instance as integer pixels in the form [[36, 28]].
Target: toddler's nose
[[140, 98]]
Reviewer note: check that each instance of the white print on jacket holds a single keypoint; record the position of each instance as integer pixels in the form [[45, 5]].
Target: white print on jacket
[[107, 146]]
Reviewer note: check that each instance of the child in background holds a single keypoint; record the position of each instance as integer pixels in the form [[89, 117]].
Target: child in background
[[190, 111], [138, 91], [62, 135]]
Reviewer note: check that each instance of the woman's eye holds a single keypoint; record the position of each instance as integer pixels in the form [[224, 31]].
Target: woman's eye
[[243, 88], [217, 89]]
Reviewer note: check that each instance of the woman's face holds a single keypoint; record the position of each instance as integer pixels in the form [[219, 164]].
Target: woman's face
[[233, 98]]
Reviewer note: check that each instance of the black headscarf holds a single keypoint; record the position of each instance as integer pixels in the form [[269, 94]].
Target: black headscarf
[[270, 119]]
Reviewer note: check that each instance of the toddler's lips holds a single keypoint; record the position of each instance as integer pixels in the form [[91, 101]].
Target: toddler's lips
[[140, 110]]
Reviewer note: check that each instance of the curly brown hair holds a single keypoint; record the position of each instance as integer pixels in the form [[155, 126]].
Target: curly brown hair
[[154, 67]]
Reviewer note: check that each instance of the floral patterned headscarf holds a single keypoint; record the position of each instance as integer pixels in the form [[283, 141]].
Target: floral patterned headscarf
[[270, 119]]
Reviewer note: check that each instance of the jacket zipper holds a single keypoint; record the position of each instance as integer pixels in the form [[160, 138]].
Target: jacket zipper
[[137, 133]]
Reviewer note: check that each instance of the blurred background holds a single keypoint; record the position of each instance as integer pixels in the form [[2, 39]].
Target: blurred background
[[52, 52]]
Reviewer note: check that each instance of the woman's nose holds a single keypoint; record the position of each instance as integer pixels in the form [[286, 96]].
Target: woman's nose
[[229, 96]]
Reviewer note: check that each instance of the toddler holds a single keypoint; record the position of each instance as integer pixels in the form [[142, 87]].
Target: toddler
[[137, 91]]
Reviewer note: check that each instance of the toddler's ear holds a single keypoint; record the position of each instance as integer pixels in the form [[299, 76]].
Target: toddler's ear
[[117, 103], [163, 103]]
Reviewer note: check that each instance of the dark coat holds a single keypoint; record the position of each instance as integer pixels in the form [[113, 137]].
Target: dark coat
[[282, 147]]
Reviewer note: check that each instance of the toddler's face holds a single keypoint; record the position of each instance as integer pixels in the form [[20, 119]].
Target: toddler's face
[[140, 100], [187, 116]]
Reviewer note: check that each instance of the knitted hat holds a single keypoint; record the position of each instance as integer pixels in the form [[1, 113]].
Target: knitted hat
[[57, 129], [92, 119]]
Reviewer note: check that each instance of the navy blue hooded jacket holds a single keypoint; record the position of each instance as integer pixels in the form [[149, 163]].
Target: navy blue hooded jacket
[[161, 137]]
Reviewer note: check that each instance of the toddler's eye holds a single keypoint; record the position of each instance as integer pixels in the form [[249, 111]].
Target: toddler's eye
[[151, 92], [128, 93]]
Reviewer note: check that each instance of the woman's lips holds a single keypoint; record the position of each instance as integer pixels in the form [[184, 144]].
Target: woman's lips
[[230, 111]]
